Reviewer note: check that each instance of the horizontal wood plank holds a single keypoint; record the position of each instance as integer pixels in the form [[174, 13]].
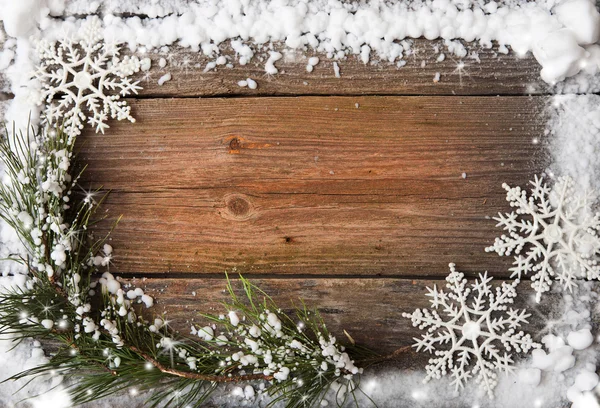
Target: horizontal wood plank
[[313, 185], [483, 72], [370, 310]]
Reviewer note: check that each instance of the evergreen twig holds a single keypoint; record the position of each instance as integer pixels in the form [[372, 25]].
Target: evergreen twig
[[111, 348]]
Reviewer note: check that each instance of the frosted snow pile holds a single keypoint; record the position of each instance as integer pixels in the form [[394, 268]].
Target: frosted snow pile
[[562, 38], [574, 128], [569, 357]]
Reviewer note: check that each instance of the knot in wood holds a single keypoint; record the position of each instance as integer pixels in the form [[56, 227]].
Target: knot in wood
[[235, 144], [237, 207]]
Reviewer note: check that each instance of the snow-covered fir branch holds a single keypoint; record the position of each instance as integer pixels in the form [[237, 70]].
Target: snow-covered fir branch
[[111, 348]]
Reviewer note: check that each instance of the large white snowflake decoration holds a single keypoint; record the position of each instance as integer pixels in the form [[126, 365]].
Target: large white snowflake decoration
[[558, 230], [477, 326], [81, 74]]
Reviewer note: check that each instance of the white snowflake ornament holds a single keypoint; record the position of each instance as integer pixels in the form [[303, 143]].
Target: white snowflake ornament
[[77, 77], [557, 230], [476, 324]]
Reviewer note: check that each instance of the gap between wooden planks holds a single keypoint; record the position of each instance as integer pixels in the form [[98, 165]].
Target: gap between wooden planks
[[346, 186]]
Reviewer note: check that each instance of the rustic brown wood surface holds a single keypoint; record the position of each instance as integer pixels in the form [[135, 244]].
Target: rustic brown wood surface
[[322, 186], [369, 310], [484, 72], [317, 187]]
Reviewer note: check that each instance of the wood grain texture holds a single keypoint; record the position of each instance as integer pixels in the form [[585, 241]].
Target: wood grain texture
[[492, 74], [370, 310], [313, 185]]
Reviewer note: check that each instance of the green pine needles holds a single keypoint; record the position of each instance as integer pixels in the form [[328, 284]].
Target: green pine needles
[[105, 346]]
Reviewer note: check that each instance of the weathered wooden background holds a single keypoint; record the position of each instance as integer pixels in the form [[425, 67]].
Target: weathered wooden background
[[347, 192]]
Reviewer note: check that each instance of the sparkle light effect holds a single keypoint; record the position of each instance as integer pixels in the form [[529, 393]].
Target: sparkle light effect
[[89, 197], [419, 395], [169, 345], [461, 71]]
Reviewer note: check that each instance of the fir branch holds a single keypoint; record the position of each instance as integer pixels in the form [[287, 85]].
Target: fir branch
[[108, 349], [200, 377]]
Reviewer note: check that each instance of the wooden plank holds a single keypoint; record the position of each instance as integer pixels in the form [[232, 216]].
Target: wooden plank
[[494, 73], [485, 72], [370, 310], [313, 185]]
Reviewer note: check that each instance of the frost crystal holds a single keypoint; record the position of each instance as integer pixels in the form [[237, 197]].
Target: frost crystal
[[479, 323], [81, 73], [557, 228]]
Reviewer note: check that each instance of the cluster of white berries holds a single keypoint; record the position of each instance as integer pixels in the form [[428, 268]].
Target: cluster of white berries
[[267, 347], [120, 305], [45, 211], [38, 214], [336, 356]]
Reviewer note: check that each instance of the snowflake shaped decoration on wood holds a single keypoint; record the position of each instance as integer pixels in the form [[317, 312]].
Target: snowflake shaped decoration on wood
[[557, 230], [478, 325], [77, 76]]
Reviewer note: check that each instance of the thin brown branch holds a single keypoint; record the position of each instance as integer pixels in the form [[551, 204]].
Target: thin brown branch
[[198, 376]]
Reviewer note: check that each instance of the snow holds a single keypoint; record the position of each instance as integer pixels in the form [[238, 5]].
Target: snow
[[580, 340], [574, 133], [560, 34], [47, 323], [561, 37], [585, 30], [336, 70], [147, 300], [251, 83], [586, 381], [233, 318], [24, 356], [206, 333], [270, 65], [166, 77], [530, 376], [560, 55], [249, 392]]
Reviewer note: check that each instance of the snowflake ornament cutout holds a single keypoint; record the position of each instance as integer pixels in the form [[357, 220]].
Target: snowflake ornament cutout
[[558, 231], [81, 74], [478, 324]]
